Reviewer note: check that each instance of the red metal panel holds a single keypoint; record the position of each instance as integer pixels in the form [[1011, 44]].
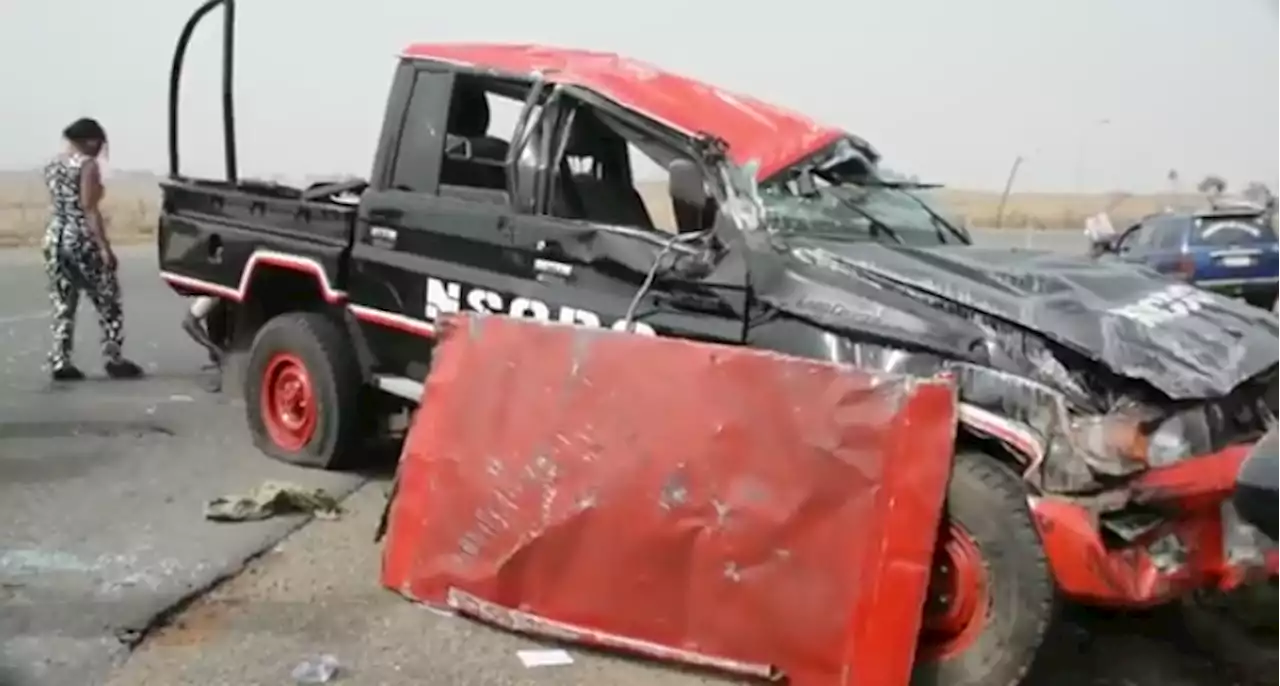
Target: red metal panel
[[1192, 493], [686, 501]]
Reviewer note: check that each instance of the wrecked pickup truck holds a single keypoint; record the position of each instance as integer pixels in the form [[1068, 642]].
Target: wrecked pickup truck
[[1105, 410]]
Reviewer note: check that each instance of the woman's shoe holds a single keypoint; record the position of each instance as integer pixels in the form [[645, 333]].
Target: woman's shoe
[[123, 369], [67, 372]]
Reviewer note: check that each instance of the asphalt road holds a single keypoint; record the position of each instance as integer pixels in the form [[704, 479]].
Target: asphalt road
[[102, 483]]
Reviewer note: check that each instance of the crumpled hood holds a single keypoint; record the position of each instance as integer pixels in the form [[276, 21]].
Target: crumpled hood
[[1185, 342]]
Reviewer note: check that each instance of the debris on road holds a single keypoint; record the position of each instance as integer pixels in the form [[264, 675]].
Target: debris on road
[[774, 516], [317, 670], [544, 658], [270, 499]]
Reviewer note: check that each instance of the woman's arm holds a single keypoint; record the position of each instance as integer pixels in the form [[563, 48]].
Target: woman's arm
[[90, 197]]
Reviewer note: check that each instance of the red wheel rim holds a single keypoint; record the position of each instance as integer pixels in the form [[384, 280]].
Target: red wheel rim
[[288, 402], [959, 597]]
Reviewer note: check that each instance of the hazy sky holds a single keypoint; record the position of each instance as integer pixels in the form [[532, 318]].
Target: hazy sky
[[951, 90]]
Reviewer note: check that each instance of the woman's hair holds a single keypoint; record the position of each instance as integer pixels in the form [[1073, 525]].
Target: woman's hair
[[85, 130]]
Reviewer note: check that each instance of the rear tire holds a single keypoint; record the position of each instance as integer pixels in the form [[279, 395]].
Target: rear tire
[[992, 596], [303, 392]]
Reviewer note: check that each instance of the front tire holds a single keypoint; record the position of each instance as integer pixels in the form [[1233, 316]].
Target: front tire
[[991, 593], [304, 393]]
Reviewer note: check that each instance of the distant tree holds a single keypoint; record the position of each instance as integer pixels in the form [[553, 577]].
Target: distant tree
[[1258, 192], [1212, 184]]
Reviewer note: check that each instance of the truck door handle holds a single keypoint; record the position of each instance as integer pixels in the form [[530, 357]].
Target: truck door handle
[[546, 267], [386, 214]]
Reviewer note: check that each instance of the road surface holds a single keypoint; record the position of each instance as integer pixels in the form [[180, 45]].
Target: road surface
[[102, 483]]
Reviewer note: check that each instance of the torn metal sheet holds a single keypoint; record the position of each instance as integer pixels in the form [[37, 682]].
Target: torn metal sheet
[[691, 502]]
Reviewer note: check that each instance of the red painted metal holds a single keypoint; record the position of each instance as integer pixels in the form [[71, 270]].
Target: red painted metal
[[721, 506], [959, 597], [1193, 493], [755, 130], [288, 402]]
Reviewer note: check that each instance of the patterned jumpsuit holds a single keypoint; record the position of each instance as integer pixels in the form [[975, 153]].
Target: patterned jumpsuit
[[73, 262]]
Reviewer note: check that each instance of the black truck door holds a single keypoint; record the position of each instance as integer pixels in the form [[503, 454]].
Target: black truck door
[[587, 270], [420, 239], [590, 275]]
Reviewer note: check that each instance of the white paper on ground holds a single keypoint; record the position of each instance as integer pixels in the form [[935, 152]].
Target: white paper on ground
[[544, 658]]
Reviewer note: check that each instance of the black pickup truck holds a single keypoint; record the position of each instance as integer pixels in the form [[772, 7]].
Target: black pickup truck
[[334, 288], [1104, 408]]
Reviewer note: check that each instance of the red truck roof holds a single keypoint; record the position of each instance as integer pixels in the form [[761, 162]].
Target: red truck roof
[[754, 130]]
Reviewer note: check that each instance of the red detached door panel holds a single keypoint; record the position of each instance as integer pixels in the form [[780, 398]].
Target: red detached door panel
[[724, 506]]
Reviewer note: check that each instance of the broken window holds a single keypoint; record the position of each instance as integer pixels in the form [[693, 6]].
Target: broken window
[[609, 172], [653, 182], [481, 123]]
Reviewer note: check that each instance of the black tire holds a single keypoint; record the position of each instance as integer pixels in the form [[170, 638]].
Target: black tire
[[320, 347], [988, 504], [1262, 302]]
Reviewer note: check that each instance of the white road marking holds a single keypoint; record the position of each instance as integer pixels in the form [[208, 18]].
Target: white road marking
[[8, 319]]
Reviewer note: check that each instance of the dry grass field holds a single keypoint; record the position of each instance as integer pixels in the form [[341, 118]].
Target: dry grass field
[[131, 207]]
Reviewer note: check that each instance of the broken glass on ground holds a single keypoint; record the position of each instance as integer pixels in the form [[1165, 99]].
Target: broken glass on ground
[[316, 670]]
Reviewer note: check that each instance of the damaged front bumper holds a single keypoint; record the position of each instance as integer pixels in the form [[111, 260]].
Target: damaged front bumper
[[1195, 541]]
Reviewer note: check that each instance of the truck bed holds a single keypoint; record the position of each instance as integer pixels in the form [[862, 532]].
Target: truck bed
[[210, 232]]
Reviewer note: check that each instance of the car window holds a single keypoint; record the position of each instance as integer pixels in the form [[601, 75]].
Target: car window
[[1226, 232], [1167, 233], [610, 172], [469, 159], [483, 113]]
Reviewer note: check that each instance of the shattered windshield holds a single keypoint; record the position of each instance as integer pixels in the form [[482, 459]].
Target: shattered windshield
[[842, 194]]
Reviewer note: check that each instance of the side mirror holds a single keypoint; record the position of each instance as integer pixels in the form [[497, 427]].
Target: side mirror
[[687, 184]]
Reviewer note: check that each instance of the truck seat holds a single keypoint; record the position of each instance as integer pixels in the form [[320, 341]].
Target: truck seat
[[469, 119], [600, 198]]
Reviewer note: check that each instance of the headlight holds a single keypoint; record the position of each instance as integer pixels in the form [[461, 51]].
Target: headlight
[[1114, 444], [1168, 443], [1121, 442]]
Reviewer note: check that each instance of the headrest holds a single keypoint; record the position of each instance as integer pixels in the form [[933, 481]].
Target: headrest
[[469, 112], [585, 136]]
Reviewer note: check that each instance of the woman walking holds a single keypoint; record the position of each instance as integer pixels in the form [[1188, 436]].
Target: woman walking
[[78, 256]]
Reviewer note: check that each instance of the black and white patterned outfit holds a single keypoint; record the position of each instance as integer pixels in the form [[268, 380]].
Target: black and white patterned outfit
[[74, 262]]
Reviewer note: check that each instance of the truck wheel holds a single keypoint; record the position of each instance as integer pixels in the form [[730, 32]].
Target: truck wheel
[[991, 592], [303, 392]]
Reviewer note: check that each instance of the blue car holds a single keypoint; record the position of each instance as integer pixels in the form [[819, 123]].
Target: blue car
[[1227, 250]]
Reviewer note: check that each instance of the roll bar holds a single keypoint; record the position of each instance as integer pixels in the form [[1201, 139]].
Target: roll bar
[[228, 100]]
